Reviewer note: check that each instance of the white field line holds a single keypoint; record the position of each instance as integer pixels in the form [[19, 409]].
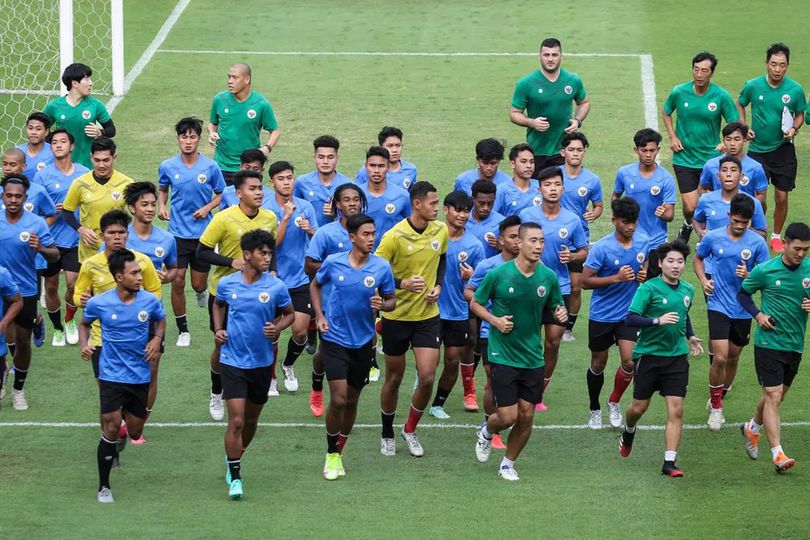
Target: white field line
[[387, 53], [648, 91]]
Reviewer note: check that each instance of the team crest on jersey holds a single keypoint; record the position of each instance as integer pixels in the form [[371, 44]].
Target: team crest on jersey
[[406, 183], [582, 191], [563, 232], [539, 90], [541, 291], [721, 251], [57, 186], [297, 221], [40, 165], [435, 245], [390, 208], [686, 104], [114, 316], [746, 254], [655, 190], [25, 236], [615, 262], [712, 106], [785, 98], [115, 195], [226, 110], [490, 236], [664, 301], [511, 290], [744, 180], [462, 256], [778, 283], [29, 206], [251, 114], [369, 281], [568, 90], [159, 251], [234, 296], [340, 245], [806, 283], [341, 278], [686, 301], [201, 178], [264, 297], [640, 257], [311, 193], [537, 201], [86, 114], [143, 316]]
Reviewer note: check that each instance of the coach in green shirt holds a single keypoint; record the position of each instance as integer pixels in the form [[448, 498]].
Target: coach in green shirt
[[237, 119], [542, 104]]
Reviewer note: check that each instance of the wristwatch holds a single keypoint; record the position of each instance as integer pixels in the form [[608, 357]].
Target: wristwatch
[[656, 322]]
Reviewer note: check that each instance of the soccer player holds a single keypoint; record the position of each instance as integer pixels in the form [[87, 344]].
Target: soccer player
[[484, 221], [700, 106], [143, 236], [458, 329], [660, 308], [251, 310], [132, 325], [388, 203], [400, 172], [521, 192], [416, 249], [775, 98], [653, 188], [734, 251], [319, 186], [582, 187], [57, 178], [542, 104], [251, 159], [37, 200], [521, 291], [23, 235], [10, 307], [615, 267], [348, 329], [82, 115], [488, 155], [220, 246], [195, 184], [38, 154], [565, 243], [330, 239], [93, 194], [779, 338], [237, 118], [753, 181]]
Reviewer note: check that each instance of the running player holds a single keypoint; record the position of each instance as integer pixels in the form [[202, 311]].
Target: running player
[[521, 192], [10, 307], [484, 221], [488, 155], [132, 325], [416, 249], [38, 154], [660, 308], [251, 159], [195, 184], [400, 172], [522, 292], [388, 204], [348, 329], [754, 181], [779, 338], [251, 310], [318, 186]]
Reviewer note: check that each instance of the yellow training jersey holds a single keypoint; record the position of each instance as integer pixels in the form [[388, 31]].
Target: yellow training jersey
[[93, 201], [95, 276], [414, 254], [225, 233]]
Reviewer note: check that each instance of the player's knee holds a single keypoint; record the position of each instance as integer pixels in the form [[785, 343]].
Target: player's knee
[[508, 416], [598, 364], [338, 400], [426, 380], [300, 335], [236, 423]]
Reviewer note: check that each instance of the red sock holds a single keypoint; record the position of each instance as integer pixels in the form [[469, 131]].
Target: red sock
[[70, 311], [122, 431], [621, 381], [716, 395], [312, 324], [413, 418], [467, 380], [342, 442]]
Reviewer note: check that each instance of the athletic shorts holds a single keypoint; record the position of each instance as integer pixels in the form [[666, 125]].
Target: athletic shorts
[[774, 367], [187, 255], [68, 261], [548, 313], [687, 177], [344, 364], [250, 384], [228, 177], [603, 335], [721, 326], [28, 314], [576, 267], [211, 299], [780, 166], [512, 383], [398, 336], [667, 375], [301, 301], [541, 162], [94, 360], [117, 396], [454, 333]]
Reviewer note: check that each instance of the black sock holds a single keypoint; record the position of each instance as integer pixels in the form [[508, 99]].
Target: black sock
[[725, 390], [105, 456], [332, 443], [595, 384], [294, 350], [3, 368], [387, 425], [182, 323], [56, 320], [476, 360], [317, 381], [216, 382], [572, 320], [19, 378], [711, 358], [441, 397], [12, 349], [235, 467], [312, 336]]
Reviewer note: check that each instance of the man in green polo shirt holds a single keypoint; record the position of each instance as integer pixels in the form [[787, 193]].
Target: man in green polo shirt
[[777, 112], [520, 291], [542, 104], [700, 106], [237, 118], [779, 338], [660, 308]]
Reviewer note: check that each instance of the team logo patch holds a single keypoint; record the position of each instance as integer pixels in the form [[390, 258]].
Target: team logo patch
[[785, 98], [640, 257], [406, 183], [537, 201], [57, 186], [632, 186], [490, 236], [615, 262], [40, 165], [744, 180], [61, 116], [341, 278], [563, 232], [806, 283], [712, 106], [239, 232], [159, 251], [251, 114], [761, 97], [462, 256], [234, 296], [664, 301], [686, 104], [687, 301], [410, 248], [435, 245], [29, 206], [746, 254], [143, 316], [712, 212], [511, 290], [369, 281], [226, 110], [514, 203], [25, 236], [582, 191], [297, 221], [721, 251], [115, 195], [176, 176], [541, 291], [264, 297], [568, 90], [311, 193], [539, 91], [86, 114], [340, 244], [201, 178], [390, 208], [655, 190], [114, 316], [778, 283]]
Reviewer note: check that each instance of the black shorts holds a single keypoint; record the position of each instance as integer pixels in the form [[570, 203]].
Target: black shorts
[[775, 368], [68, 261], [541, 162], [548, 313], [653, 264], [454, 333], [28, 314], [721, 326], [121, 396], [250, 384], [687, 177], [399, 335], [603, 335], [511, 383], [667, 375], [211, 299], [345, 364], [228, 177], [576, 267], [94, 360], [187, 255], [300, 300], [780, 166]]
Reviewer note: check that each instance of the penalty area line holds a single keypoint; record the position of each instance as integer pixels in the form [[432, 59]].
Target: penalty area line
[[391, 53]]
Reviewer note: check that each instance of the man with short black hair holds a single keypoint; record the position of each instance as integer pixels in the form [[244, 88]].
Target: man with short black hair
[[319, 186], [37, 151], [488, 155], [521, 192], [400, 172], [254, 160], [753, 181], [484, 221]]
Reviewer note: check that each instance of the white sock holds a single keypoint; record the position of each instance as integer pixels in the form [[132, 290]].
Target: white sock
[[507, 463], [687, 223], [776, 235], [775, 451], [485, 432], [630, 429], [670, 455], [753, 426]]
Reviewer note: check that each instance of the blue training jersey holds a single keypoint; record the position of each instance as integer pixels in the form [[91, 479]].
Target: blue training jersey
[[649, 193], [713, 210], [309, 187], [388, 209], [510, 200], [405, 177], [56, 185], [465, 250], [330, 239], [484, 230], [16, 255], [34, 164], [580, 190], [465, 180], [191, 188], [7, 290], [290, 254], [753, 176], [160, 247], [478, 277]]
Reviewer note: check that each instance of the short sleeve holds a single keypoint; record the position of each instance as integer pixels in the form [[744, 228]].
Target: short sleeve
[[801, 101], [48, 111], [212, 233], [73, 197], [478, 276], [322, 275], [668, 191], [312, 217], [499, 202], [700, 211], [284, 299], [44, 233], [618, 184], [706, 179], [157, 312], [745, 94], [361, 177], [555, 299], [7, 286], [755, 280], [102, 114], [669, 103], [759, 180], [213, 117], [171, 254], [596, 193], [758, 221], [269, 121], [762, 254], [476, 255], [92, 312], [406, 206], [519, 98], [218, 181], [47, 206], [317, 246], [704, 247], [729, 110], [580, 93], [596, 257], [151, 281], [387, 249], [163, 177], [578, 238], [484, 293], [222, 291], [387, 286], [641, 300]]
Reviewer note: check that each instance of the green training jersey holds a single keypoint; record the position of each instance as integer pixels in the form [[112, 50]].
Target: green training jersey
[[653, 299], [525, 298], [783, 290], [767, 104], [239, 125], [540, 97], [697, 122], [74, 119]]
